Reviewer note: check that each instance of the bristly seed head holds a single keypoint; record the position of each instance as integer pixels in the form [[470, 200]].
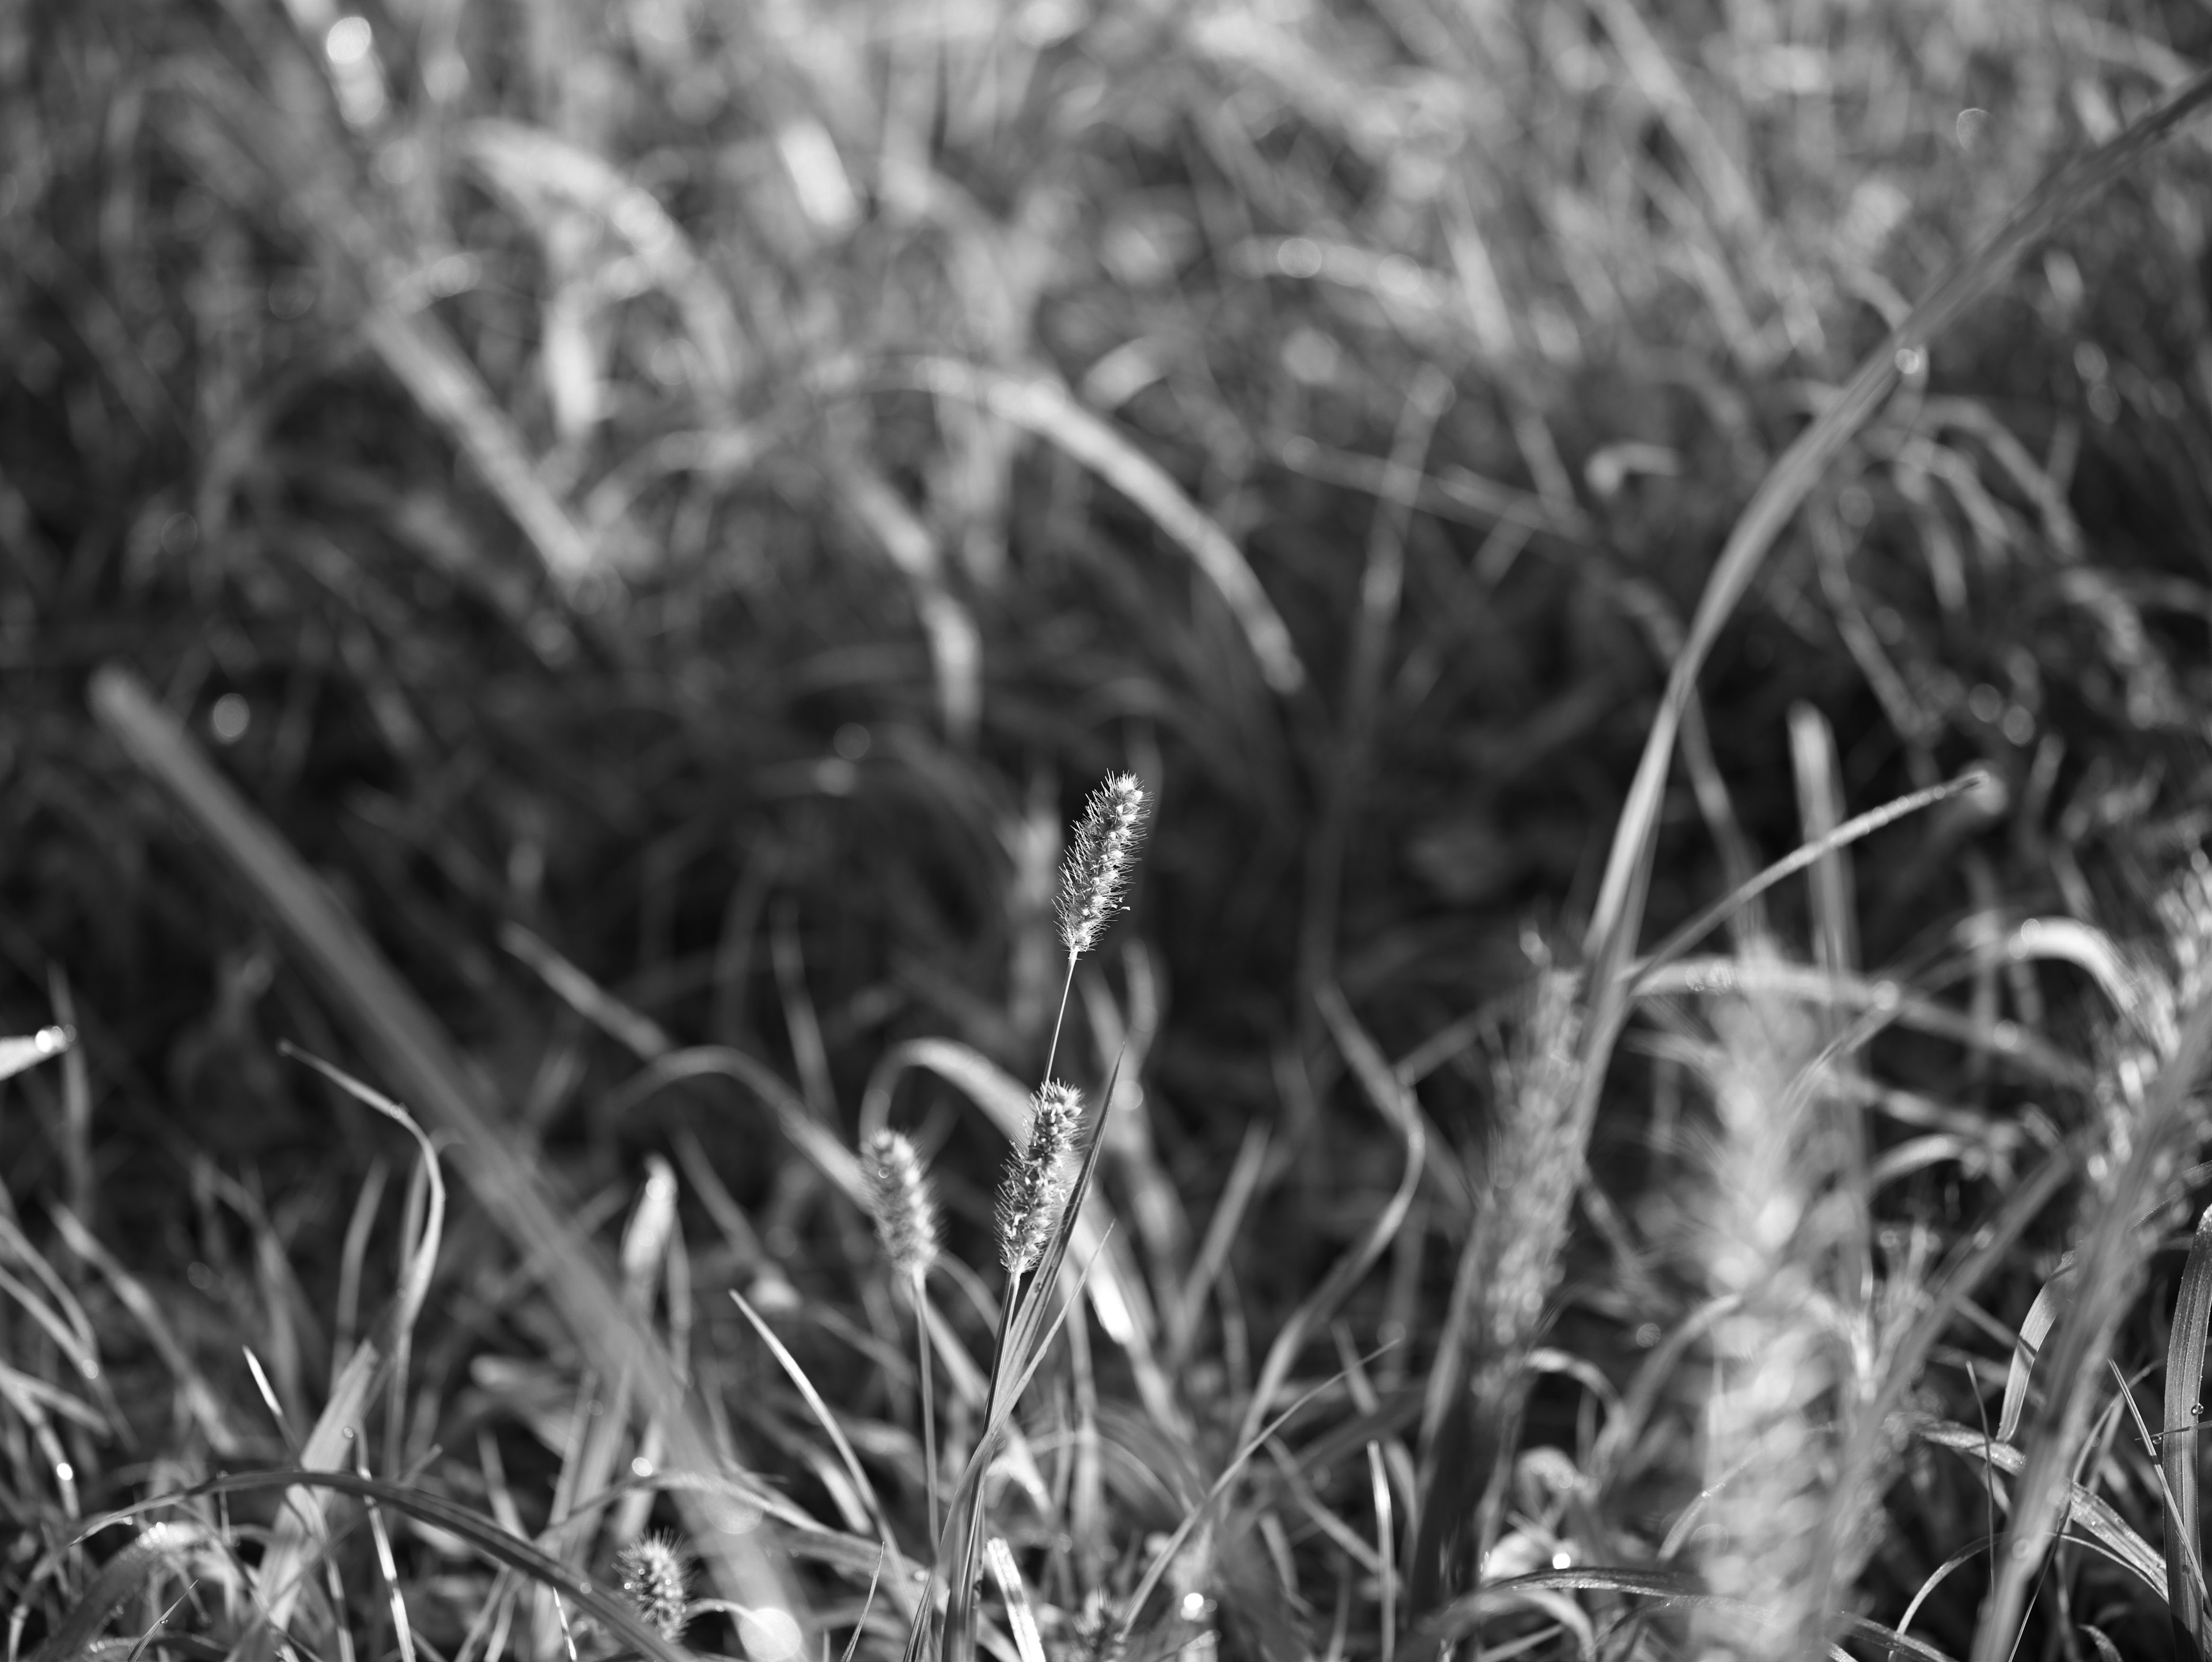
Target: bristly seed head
[[898, 1196], [1034, 1187], [657, 1581], [1099, 856]]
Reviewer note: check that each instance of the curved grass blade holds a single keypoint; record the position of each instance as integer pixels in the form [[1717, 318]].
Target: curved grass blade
[[278, 1578], [1165, 1556], [2104, 1525], [1042, 405], [1395, 1103], [828, 1422], [1808, 853], [122, 1577], [2034, 1327]]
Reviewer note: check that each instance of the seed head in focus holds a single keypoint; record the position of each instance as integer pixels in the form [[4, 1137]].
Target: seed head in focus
[[657, 1581], [1034, 1187], [1099, 856]]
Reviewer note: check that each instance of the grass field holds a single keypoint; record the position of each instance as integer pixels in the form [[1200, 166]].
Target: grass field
[[873, 830]]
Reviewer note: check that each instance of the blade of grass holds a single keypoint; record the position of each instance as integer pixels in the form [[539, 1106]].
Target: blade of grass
[[2034, 1327], [2176, 1451], [158, 1548], [1396, 1106], [1039, 403], [828, 1422], [1163, 1556], [31, 1049]]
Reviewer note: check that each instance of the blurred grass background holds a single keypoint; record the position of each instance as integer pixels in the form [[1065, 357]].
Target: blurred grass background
[[710, 487]]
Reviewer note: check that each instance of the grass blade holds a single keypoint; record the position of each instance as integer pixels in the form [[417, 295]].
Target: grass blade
[[2185, 1413], [157, 1549]]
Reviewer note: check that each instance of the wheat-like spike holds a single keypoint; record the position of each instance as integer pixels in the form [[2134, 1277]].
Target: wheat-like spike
[[899, 1197], [1034, 1187], [1099, 856], [656, 1578]]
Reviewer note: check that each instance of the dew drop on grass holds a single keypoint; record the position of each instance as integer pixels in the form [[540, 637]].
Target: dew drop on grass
[[229, 719]]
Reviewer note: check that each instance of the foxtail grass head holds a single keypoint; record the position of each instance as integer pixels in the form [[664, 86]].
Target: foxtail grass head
[[1035, 1188], [656, 1579], [899, 1197], [1099, 856]]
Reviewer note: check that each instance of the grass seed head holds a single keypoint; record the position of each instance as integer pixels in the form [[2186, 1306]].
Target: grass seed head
[[1034, 1187], [657, 1580], [898, 1196], [1099, 856]]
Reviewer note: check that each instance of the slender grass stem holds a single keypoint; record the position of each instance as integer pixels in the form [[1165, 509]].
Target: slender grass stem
[[1067, 986], [928, 1400]]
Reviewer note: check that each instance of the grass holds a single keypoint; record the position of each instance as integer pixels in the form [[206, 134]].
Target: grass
[[569, 572]]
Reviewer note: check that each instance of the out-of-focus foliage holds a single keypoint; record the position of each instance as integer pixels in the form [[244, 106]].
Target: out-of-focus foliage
[[667, 507]]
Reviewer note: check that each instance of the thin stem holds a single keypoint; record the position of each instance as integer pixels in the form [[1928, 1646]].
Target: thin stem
[[928, 1399], [960, 1563], [1052, 1054]]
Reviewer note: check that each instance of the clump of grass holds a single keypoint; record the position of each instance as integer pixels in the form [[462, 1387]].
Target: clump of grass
[[493, 443]]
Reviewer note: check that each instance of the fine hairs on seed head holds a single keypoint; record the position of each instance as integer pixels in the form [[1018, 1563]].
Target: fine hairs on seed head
[[898, 1196], [1034, 1187], [1099, 856], [657, 1581]]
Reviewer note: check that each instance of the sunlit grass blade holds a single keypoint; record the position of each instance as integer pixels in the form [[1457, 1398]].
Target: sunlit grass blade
[[2042, 1315], [31, 1049]]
